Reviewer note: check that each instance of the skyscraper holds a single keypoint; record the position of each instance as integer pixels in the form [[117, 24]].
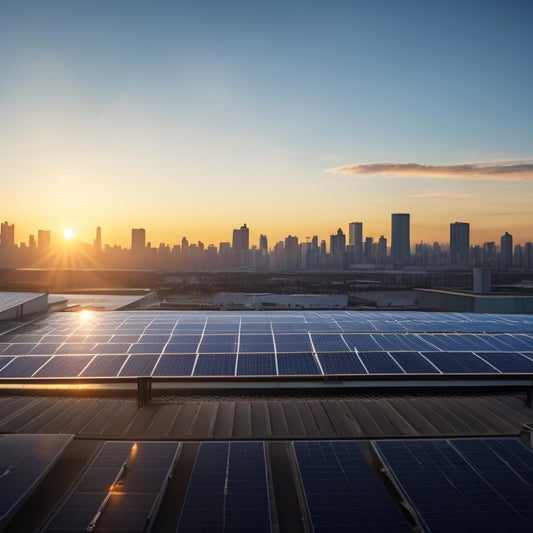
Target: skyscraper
[[98, 240], [7, 234], [506, 250], [400, 239], [459, 243], [241, 238], [337, 242], [355, 239], [138, 240]]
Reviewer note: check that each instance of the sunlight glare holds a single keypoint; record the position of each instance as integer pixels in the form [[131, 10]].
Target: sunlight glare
[[68, 234]]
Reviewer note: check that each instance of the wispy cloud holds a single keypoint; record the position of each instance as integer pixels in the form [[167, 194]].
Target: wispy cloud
[[509, 171], [436, 195]]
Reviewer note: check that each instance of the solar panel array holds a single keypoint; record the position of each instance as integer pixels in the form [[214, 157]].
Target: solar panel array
[[228, 490], [8, 300], [24, 461], [463, 484], [120, 490], [342, 491], [168, 343]]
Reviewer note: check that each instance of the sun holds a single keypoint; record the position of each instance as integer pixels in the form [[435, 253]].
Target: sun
[[68, 234]]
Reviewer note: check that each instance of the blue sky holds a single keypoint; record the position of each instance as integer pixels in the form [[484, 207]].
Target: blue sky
[[189, 118]]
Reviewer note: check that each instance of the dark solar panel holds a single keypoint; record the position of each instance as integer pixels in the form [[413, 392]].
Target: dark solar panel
[[361, 342], [228, 490], [24, 461], [19, 349], [293, 343], [341, 363], [23, 367], [147, 348], [293, 364], [256, 343], [62, 366], [508, 362], [218, 344], [447, 485], [342, 492], [459, 363], [380, 363], [414, 363], [104, 366], [215, 364], [139, 365], [175, 365], [256, 364], [329, 343]]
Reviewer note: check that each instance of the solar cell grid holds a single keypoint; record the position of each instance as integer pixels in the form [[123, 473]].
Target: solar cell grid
[[175, 365], [458, 363], [414, 363], [293, 364], [293, 343], [104, 366], [63, 366], [508, 362], [139, 365], [218, 344], [256, 343], [23, 367], [450, 486], [361, 342], [215, 364], [256, 364], [329, 343], [341, 363], [380, 363], [342, 492]]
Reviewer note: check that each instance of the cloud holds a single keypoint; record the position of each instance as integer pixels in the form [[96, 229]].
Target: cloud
[[514, 171], [436, 195]]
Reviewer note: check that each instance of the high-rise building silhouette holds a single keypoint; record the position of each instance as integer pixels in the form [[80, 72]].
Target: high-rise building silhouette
[[459, 243], [138, 240], [98, 240], [43, 239], [506, 250], [241, 238], [7, 234], [355, 239], [400, 239], [337, 242]]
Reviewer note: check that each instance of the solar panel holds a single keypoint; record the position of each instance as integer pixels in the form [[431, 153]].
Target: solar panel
[[329, 343], [120, 490], [341, 363], [175, 365], [228, 490], [24, 461], [459, 363], [23, 367], [293, 364], [256, 343], [104, 366], [63, 366], [380, 363], [256, 364], [218, 344], [508, 362], [217, 364], [452, 486], [139, 365], [342, 492], [361, 342], [414, 363], [293, 343]]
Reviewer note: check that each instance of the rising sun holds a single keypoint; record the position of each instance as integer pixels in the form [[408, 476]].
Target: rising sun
[[68, 234]]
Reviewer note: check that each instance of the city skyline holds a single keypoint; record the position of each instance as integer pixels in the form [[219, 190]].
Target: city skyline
[[184, 116]]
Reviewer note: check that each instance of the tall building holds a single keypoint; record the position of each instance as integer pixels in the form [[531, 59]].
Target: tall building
[[355, 239], [7, 234], [291, 252], [381, 252], [98, 240], [43, 239], [263, 244], [459, 243], [506, 250], [400, 239], [241, 238], [337, 242], [138, 240]]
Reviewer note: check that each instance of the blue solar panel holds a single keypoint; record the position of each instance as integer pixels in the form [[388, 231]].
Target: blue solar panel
[[139, 365], [218, 344], [380, 363], [256, 343], [147, 348], [293, 343], [111, 348], [458, 363], [175, 365], [228, 490], [153, 339], [256, 364], [361, 342], [297, 364], [448, 486], [45, 348], [508, 362], [104, 366], [19, 349], [23, 367], [329, 343], [24, 461], [216, 364], [255, 327], [342, 492], [341, 363], [4, 361], [414, 363], [62, 366]]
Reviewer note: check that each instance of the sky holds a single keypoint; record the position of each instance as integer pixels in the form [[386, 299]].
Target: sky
[[190, 118]]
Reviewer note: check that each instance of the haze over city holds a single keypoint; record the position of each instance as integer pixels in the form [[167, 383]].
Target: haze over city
[[188, 117]]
